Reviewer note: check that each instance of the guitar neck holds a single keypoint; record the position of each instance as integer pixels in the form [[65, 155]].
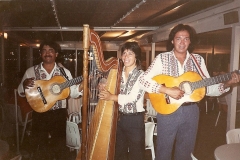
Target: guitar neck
[[71, 82], [211, 81]]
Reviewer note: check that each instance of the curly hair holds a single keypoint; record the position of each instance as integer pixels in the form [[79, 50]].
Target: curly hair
[[182, 27], [52, 44]]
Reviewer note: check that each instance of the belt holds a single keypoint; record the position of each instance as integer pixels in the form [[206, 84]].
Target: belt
[[188, 103], [130, 114]]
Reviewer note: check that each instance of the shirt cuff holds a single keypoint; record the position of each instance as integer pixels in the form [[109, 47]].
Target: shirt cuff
[[156, 88], [221, 88]]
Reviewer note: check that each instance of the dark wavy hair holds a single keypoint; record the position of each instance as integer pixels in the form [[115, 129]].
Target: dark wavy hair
[[133, 46], [182, 27], [52, 44]]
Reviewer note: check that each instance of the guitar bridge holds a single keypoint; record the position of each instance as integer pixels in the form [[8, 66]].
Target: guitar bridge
[[166, 96], [41, 94]]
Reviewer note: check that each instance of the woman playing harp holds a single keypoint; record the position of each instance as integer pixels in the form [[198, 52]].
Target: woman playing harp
[[130, 135]]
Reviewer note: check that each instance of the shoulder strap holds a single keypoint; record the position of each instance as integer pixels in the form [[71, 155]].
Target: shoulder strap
[[63, 73], [197, 66]]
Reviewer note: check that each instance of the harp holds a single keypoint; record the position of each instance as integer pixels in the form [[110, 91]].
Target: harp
[[99, 117]]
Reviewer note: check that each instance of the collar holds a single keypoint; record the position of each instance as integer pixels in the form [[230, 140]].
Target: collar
[[43, 69], [130, 71], [41, 66], [187, 56]]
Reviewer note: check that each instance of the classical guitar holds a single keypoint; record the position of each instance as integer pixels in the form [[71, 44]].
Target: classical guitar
[[190, 82], [45, 93]]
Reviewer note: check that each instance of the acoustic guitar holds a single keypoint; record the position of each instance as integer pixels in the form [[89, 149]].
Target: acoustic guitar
[[45, 93], [190, 82]]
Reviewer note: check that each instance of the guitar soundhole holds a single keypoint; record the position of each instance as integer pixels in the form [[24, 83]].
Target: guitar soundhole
[[56, 89], [186, 87]]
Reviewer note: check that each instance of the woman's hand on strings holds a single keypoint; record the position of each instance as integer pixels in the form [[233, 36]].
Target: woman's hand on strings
[[106, 95], [103, 93]]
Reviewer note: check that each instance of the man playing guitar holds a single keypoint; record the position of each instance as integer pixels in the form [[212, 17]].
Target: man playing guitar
[[51, 123], [181, 125]]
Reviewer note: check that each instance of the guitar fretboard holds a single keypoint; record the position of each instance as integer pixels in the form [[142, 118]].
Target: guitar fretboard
[[211, 81], [71, 82]]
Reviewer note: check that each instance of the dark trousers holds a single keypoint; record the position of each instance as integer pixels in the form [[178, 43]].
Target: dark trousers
[[49, 134], [180, 128], [130, 137]]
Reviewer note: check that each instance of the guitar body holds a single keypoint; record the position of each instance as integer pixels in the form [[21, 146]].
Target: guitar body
[[49, 92], [159, 102]]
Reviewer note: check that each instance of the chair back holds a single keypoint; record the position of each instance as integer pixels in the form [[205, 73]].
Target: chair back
[[9, 114], [149, 127], [72, 135], [24, 107], [233, 136], [222, 103], [222, 100], [150, 110]]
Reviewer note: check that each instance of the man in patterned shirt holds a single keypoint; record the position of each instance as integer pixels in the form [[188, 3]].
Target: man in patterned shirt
[[179, 127], [53, 122]]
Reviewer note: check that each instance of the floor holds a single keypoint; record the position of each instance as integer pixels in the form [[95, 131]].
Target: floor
[[209, 136]]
